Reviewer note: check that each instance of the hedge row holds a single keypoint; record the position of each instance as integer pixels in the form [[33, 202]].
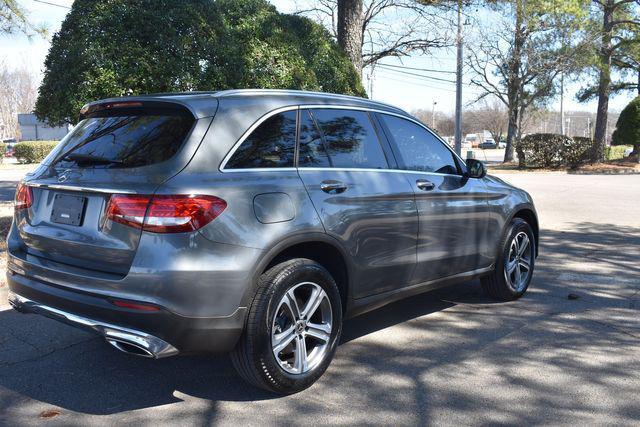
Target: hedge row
[[552, 150], [33, 151], [615, 152]]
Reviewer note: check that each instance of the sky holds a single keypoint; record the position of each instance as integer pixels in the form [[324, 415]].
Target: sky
[[401, 89]]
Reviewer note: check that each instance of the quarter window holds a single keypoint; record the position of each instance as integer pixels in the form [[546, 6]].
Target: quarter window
[[350, 139], [270, 145], [419, 149]]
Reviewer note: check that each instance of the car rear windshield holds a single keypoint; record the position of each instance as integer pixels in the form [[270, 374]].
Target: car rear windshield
[[124, 140]]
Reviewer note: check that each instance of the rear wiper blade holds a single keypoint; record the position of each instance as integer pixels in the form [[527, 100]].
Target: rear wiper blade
[[89, 159]]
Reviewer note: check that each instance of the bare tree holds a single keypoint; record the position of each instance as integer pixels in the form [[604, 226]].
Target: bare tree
[[18, 93], [14, 19], [518, 60], [491, 116], [369, 30]]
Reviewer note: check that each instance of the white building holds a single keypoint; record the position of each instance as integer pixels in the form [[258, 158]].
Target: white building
[[33, 129]]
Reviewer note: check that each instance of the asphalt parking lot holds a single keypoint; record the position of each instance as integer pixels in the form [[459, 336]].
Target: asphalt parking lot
[[448, 357]]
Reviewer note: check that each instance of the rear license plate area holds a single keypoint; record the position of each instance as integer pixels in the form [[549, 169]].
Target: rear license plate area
[[68, 209]]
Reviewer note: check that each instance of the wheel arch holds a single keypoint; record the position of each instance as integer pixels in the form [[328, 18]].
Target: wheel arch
[[318, 247], [527, 213]]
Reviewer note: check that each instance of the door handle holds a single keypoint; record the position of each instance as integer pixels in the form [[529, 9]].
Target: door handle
[[332, 186], [425, 185]]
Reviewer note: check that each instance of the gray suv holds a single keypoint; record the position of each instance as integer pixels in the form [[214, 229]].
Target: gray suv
[[253, 222]]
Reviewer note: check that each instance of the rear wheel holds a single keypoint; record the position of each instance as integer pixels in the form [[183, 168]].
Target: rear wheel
[[292, 329], [514, 267]]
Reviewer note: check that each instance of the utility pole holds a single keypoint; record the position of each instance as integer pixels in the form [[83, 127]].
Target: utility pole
[[562, 129], [371, 70], [433, 114], [458, 134]]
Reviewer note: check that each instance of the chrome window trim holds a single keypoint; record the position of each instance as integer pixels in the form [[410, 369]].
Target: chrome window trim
[[268, 115], [374, 170], [79, 188]]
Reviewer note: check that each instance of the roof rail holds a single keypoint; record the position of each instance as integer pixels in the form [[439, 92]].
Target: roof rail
[[255, 92]]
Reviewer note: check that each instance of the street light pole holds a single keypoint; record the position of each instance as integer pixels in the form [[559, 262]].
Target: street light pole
[[458, 134]]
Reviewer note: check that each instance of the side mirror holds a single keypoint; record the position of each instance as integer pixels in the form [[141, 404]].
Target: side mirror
[[476, 169]]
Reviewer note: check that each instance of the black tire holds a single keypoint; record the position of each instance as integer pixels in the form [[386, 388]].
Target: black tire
[[253, 356], [498, 285]]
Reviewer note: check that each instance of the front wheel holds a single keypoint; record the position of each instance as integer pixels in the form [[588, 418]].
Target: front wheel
[[514, 267], [292, 329]]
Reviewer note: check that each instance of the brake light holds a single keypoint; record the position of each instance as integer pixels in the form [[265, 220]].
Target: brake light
[[24, 197], [165, 213]]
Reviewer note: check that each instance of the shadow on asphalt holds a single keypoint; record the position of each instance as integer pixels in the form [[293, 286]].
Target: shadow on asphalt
[[77, 372]]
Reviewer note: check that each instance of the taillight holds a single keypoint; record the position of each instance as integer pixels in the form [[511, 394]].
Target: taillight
[[128, 210], [24, 197], [165, 214]]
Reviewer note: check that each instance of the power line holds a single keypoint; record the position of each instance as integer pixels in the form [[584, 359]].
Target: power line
[[417, 69], [425, 85], [415, 74], [52, 4]]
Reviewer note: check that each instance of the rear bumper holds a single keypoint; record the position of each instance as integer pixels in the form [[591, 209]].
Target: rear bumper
[[148, 345], [151, 334]]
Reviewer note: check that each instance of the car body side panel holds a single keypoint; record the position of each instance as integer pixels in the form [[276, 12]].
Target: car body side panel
[[376, 220], [453, 226], [238, 224]]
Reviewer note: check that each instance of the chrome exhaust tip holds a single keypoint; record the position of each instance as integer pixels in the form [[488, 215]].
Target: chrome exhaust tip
[[129, 348]]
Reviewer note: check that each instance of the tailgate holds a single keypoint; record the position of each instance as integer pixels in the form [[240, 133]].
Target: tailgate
[[120, 151]]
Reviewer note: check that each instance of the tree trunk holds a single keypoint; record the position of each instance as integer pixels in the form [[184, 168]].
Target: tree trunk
[[513, 84], [350, 20], [636, 152], [512, 136], [604, 84]]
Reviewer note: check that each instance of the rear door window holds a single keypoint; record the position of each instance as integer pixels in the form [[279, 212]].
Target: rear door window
[[271, 145], [124, 141], [350, 139]]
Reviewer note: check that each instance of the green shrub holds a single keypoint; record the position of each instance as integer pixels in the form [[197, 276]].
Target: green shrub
[[627, 129], [121, 47], [3, 150], [33, 151], [543, 149], [615, 152], [576, 151]]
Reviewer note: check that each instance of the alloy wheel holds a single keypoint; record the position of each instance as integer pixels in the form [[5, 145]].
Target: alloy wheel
[[301, 328], [518, 264]]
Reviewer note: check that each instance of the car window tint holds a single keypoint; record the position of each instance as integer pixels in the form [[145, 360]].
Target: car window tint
[[350, 139], [419, 149], [312, 151], [270, 145], [125, 141]]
